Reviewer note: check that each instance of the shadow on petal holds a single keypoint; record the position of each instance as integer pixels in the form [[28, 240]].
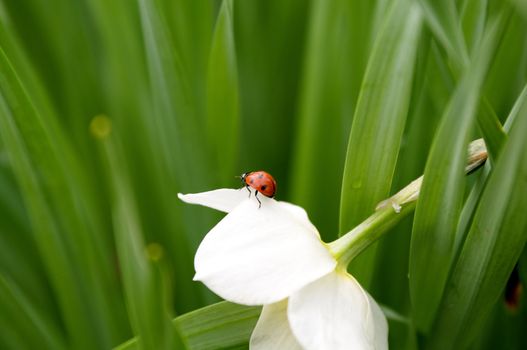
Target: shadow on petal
[[334, 313], [272, 330]]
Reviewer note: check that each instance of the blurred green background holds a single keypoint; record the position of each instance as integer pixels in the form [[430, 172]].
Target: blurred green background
[[108, 109]]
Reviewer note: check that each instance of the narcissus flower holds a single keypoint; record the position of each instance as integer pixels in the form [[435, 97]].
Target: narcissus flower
[[273, 256]]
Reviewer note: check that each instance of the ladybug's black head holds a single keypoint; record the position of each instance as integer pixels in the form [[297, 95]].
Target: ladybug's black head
[[242, 177]]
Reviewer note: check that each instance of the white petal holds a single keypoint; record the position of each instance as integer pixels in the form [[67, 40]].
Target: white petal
[[301, 216], [335, 313], [257, 256], [272, 330], [223, 199]]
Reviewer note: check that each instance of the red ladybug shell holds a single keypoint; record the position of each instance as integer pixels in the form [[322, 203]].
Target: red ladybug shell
[[261, 181]]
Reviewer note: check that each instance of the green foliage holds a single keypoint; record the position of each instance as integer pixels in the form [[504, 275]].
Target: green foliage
[[219, 326], [492, 247], [108, 109], [222, 96], [142, 282], [440, 202], [377, 129]]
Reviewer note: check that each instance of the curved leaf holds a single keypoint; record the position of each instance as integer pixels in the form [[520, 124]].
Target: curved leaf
[[492, 247], [53, 190], [377, 127], [222, 325], [440, 201]]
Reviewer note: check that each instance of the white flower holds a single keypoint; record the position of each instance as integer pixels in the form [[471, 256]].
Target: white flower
[[273, 256]]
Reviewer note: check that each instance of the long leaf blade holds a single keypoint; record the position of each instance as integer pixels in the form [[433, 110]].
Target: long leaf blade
[[442, 18], [222, 96], [17, 309], [41, 171], [492, 247], [440, 201], [378, 127], [333, 71], [143, 289], [222, 325]]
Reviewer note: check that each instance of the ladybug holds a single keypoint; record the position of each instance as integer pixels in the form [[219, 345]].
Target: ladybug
[[261, 182]]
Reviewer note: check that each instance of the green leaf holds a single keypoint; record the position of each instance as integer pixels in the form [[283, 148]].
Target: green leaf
[[174, 119], [58, 205], [27, 319], [390, 285], [179, 159], [440, 201], [504, 330], [473, 15], [270, 39], [472, 201], [507, 75], [145, 299], [515, 111], [333, 70], [155, 68], [377, 128], [492, 247], [225, 325], [443, 20], [220, 326], [222, 97], [491, 129]]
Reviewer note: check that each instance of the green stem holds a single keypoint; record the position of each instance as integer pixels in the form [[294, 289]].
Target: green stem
[[392, 210]]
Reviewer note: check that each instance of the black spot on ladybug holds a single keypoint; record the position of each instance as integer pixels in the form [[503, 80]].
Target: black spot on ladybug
[[260, 176], [252, 181], [263, 187]]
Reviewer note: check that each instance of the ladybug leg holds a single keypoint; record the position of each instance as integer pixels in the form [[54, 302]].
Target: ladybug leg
[[247, 187], [258, 199]]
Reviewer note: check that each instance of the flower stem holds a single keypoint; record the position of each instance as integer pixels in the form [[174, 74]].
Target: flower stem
[[392, 210]]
